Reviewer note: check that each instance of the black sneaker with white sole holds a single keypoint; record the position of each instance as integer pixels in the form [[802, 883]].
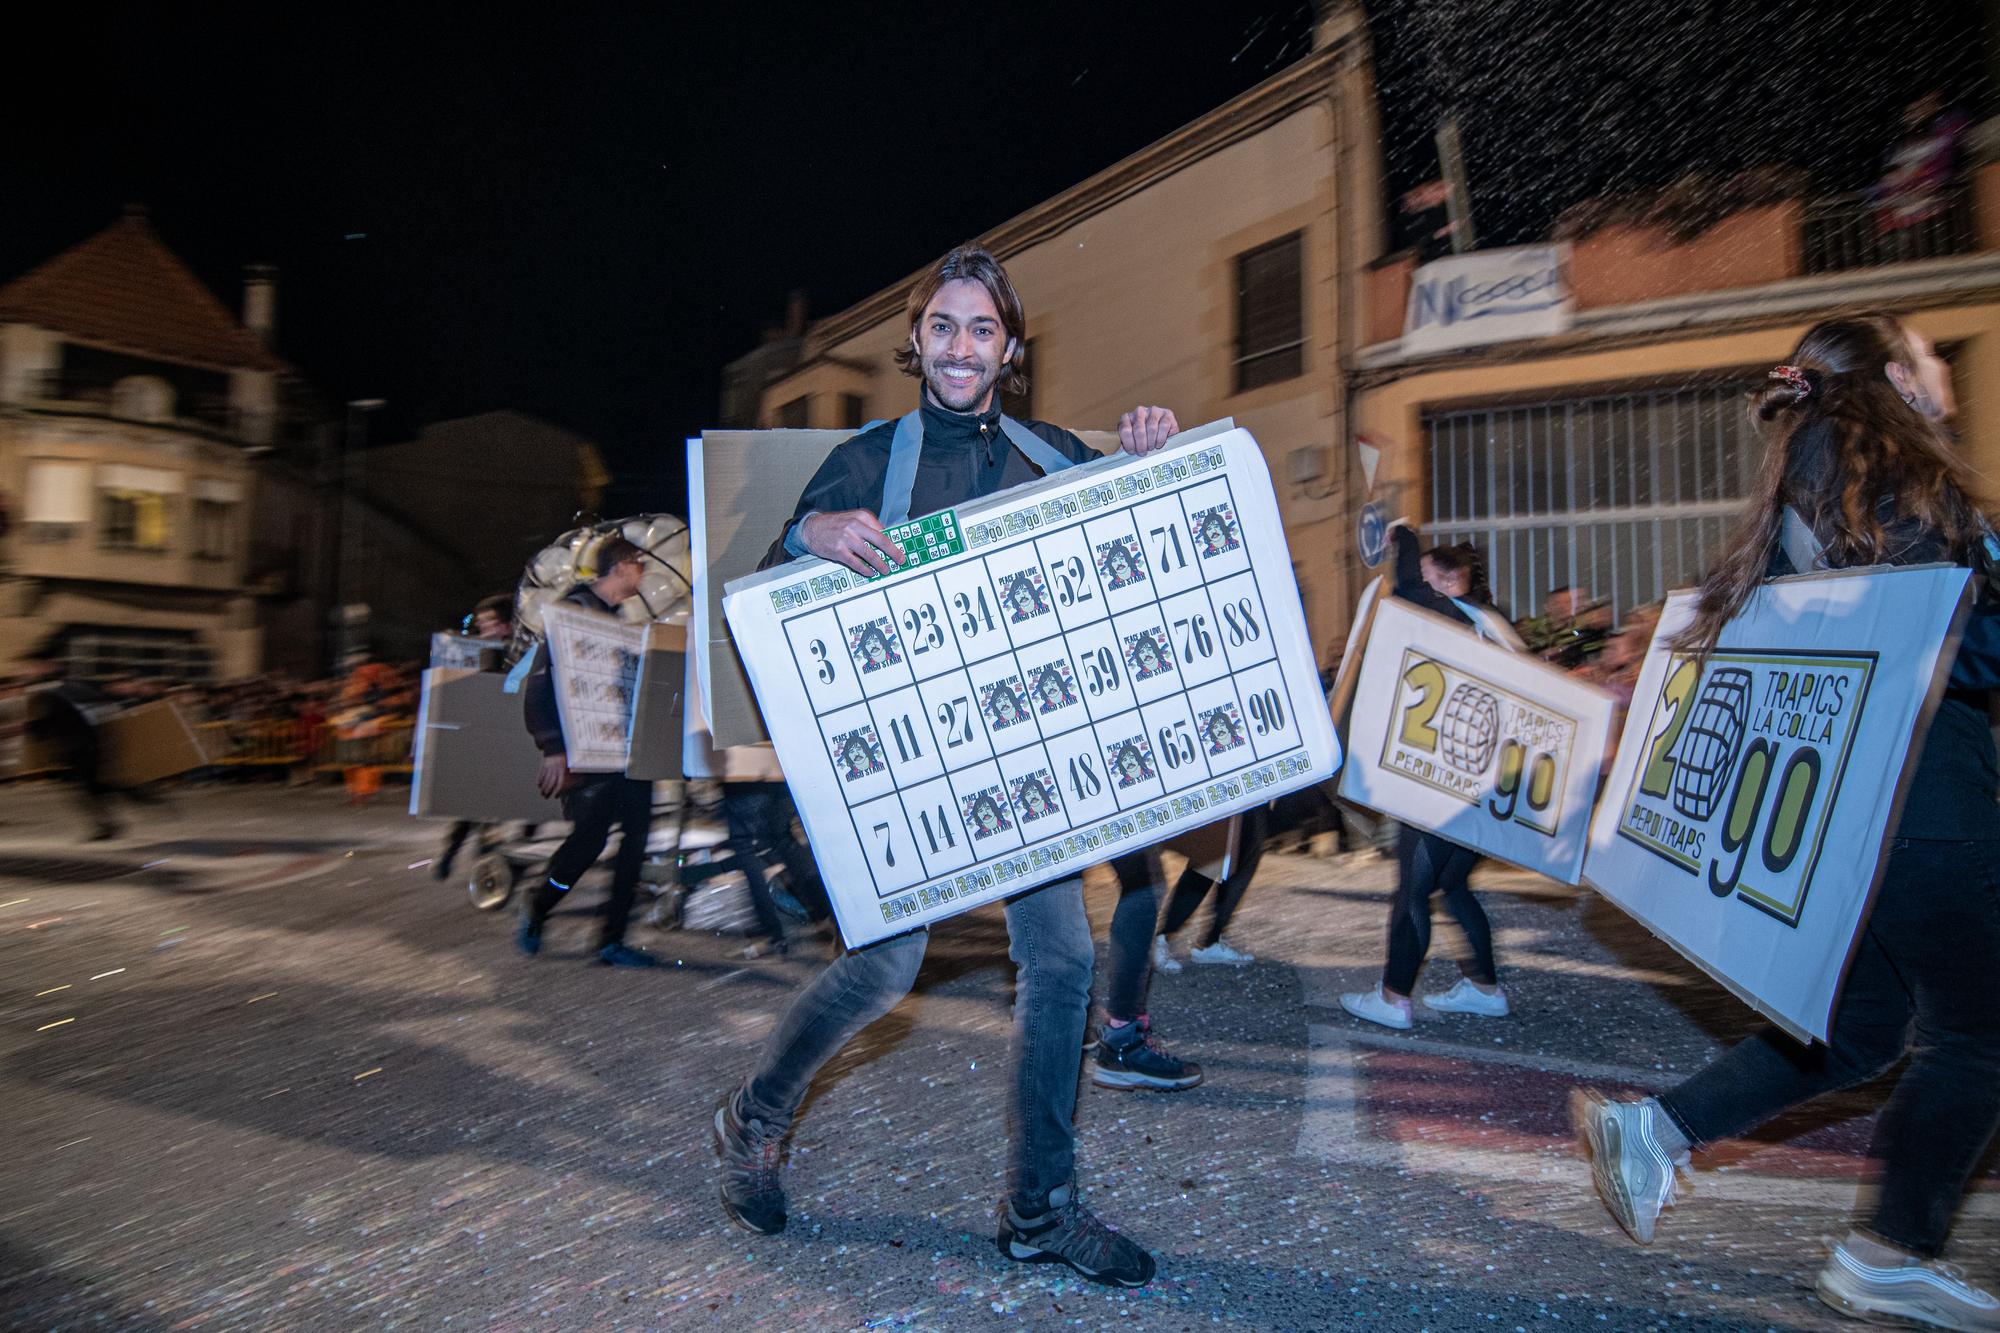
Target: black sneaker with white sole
[[1068, 1233], [1128, 1057], [749, 1150]]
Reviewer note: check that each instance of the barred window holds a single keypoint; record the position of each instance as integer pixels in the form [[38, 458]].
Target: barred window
[[792, 415]]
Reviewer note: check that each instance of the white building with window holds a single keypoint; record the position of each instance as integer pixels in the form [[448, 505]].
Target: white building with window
[[1204, 273], [132, 407]]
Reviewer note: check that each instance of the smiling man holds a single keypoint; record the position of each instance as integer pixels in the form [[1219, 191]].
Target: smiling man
[[965, 337]]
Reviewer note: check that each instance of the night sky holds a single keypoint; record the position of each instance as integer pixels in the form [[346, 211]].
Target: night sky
[[584, 215]]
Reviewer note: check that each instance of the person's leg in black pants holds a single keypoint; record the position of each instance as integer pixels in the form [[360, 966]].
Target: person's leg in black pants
[[1926, 954], [1454, 888], [742, 811], [1428, 864], [1229, 894], [453, 840], [633, 810]]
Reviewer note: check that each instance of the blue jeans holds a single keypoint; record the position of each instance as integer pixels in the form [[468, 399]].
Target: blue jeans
[[1921, 983], [1053, 956]]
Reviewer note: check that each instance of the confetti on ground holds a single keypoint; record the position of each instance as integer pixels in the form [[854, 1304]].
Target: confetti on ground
[[265, 996], [112, 973], [58, 1023], [51, 990], [367, 1073]]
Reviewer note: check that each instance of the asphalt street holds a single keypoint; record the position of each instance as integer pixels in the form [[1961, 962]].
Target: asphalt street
[[259, 1070]]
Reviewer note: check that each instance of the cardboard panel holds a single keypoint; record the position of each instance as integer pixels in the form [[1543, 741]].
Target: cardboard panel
[[742, 488], [148, 743], [658, 712], [1080, 667], [474, 758], [1746, 814]]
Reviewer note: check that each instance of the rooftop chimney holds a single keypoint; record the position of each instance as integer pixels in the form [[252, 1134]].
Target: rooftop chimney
[[260, 301]]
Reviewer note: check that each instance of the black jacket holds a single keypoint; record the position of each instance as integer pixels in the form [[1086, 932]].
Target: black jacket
[[964, 457], [538, 692]]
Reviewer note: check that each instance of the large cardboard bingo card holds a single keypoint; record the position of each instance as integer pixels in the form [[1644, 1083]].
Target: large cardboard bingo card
[[1745, 816], [1488, 747], [1062, 672]]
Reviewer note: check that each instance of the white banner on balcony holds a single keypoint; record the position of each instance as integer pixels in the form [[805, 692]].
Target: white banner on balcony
[[1489, 296]]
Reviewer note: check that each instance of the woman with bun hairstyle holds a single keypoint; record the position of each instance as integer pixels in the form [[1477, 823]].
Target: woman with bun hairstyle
[[1858, 471], [1449, 581]]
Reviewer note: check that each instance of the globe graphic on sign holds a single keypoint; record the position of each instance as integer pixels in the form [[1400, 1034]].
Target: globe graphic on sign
[[1708, 747], [1469, 728]]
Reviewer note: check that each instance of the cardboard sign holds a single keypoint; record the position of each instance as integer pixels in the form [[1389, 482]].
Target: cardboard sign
[[1746, 813], [596, 667], [473, 757], [148, 743], [1457, 735], [659, 707], [743, 486], [1105, 658]]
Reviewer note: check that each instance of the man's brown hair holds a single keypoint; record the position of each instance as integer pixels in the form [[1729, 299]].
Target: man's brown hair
[[971, 263]]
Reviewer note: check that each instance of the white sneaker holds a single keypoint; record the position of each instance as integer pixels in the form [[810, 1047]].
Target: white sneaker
[[1220, 952], [1933, 1295], [1466, 998], [1630, 1168], [1376, 1007], [1163, 958]]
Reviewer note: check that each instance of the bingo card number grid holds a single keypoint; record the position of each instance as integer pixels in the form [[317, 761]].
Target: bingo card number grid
[[1102, 677]]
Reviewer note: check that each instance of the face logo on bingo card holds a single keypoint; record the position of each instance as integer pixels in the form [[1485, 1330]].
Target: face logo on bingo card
[[874, 645], [1131, 759], [986, 813], [1118, 560], [1054, 686], [1222, 729], [1215, 531], [1003, 703], [1025, 595], [1146, 655], [858, 753], [1034, 795]]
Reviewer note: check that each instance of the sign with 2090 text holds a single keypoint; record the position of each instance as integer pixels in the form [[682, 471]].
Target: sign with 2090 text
[[1115, 654], [1744, 818], [1487, 747]]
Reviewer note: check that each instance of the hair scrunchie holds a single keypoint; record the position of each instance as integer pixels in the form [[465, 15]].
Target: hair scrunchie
[[1800, 379]]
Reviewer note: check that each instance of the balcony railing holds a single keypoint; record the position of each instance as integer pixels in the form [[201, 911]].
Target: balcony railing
[[1850, 231]]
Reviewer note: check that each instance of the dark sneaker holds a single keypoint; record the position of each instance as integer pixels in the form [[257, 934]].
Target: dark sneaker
[[1128, 1057], [1069, 1233], [528, 934], [624, 955], [749, 1149]]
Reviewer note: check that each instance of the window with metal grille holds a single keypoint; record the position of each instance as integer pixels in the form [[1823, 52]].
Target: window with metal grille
[[792, 415], [852, 410], [1270, 313], [1625, 496]]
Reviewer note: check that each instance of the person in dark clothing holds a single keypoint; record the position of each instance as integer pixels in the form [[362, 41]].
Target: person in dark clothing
[[1449, 581], [593, 801], [1860, 472], [1193, 886], [966, 333], [492, 619], [63, 717], [1128, 1055]]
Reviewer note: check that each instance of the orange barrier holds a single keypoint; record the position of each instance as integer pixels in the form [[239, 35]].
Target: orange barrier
[[287, 743]]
